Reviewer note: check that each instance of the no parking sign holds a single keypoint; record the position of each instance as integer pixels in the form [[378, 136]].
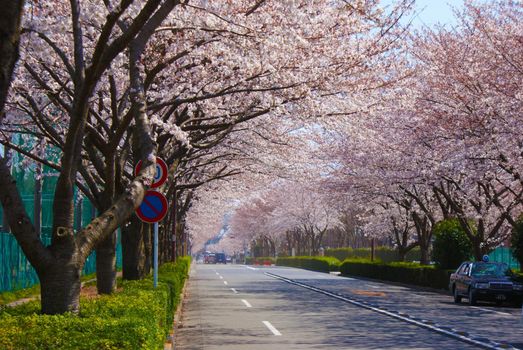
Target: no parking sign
[[153, 207]]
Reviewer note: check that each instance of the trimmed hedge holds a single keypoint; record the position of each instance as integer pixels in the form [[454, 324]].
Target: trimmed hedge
[[384, 254], [316, 263], [139, 317], [261, 260], [409, 273]]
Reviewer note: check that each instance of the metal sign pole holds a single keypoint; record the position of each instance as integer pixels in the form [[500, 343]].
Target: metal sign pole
[[155, 253]]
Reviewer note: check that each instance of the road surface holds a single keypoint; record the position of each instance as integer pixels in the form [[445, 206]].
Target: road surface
[[245, 307]]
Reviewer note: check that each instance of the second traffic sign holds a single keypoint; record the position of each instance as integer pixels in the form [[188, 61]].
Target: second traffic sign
[[159, 176]]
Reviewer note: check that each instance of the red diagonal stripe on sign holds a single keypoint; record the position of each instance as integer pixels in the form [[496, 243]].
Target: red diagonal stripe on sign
[[153, 208]]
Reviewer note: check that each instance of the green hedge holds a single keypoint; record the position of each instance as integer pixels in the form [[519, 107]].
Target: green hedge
[[139, 317], [316, 263], [262, 260], [384, 254], [410, 273]]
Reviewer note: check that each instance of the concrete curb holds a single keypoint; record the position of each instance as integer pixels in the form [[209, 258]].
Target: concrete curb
[[170, 342]]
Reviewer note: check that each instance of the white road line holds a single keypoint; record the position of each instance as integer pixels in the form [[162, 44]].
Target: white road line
[[225, 282], [234, 290], [251, 268], [221, 277], [271, 328], [494, 311], [246, 303], [462, 336], [217, 273]]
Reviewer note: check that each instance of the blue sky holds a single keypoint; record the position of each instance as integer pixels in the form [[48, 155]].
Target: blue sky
[[434, 11], [430, 12]]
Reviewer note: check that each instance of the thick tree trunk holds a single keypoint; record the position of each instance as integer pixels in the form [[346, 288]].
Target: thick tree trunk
[[133, 250], [60, 288], [106, 265], [10, 19]]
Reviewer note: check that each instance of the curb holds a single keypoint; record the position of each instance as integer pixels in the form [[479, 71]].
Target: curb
[[170, 342]]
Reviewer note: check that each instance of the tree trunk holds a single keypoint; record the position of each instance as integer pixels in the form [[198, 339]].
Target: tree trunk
[[133, 250], [147, 236], [402, 254], [10, 20], [106, 265], [60, 287], [476, 247], [425, 253]]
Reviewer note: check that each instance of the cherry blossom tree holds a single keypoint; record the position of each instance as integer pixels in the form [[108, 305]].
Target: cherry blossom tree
[[86, 61]]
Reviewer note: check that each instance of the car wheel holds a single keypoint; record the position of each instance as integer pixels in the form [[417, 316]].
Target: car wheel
[[472, 297], [457, 297]]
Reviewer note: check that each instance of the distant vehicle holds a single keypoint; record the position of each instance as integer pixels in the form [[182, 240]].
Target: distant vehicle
[[209, 259], [489, 281], [220, 258]]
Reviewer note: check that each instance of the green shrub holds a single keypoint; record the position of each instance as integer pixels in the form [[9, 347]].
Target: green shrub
[[410, 273], [516, 241], [385, 254], [451, 245], [139, 317], [316, 263]]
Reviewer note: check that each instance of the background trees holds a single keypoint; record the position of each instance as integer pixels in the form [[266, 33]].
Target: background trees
[[440, 139]]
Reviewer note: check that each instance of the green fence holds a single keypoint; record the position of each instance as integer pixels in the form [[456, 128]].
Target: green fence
[[15, 270], [504, 254], [17, 273]]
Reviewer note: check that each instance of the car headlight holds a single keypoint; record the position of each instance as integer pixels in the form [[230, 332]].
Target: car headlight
[[481, 285], [517, 287]]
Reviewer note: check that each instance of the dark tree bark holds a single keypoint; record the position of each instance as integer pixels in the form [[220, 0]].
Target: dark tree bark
[[10, 22], [132, 250], [106, 265]]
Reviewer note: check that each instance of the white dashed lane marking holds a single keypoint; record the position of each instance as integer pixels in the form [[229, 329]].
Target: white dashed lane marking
[[271, 328], [246, 303]]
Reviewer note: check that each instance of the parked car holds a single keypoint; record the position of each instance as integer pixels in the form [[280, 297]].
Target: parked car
[[220, 258], [489, 281]]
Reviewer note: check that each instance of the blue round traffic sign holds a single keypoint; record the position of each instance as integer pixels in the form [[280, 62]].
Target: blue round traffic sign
[[153, 207]]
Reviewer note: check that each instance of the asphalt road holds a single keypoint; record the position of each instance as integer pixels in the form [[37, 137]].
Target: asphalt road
[[244, 307]]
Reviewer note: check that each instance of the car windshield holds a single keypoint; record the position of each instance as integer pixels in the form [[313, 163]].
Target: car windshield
[[490, 269]]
